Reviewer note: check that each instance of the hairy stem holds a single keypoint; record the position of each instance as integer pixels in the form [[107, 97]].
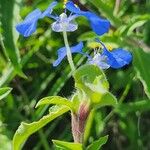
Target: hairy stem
[[79, 121]]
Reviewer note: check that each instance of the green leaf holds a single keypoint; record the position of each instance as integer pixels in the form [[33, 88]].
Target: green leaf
[[87, 36], [67, 145], [85, 77], [136, 25], [58, 100], [4, 92], [96, 145], [9, 11], [142, 106], [107, 99], [141, 65], [25, 129]]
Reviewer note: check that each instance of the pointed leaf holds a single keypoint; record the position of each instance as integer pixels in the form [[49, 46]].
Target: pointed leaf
[[68, 145], [96, 145], [9, 36], [4, 92], [58, 100], [141, 64], [108, 99], [26, 129]]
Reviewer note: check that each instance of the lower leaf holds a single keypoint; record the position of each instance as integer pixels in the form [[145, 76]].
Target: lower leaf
[[96, 145], [25, 129], [67, 145]]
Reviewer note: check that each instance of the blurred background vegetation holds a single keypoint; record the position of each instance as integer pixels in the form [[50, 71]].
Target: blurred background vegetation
[[128, 125]]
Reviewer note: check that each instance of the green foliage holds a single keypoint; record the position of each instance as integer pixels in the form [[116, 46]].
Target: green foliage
[[5, 142], [143, 73], [92, 80], [67, 145], [99, 84], [8, 36], [25, 129], [141, 106], [87, 73], [4, 92], [129, 120], [96, 145], [57, 100]]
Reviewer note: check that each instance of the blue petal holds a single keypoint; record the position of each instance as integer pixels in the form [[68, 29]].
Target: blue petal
[[62, 53], [49, 10], [71, 7], [98, 25], [28, 26], [118, 58]]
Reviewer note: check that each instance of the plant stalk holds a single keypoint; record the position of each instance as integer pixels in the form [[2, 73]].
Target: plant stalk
[[79, 121], [69, 55]]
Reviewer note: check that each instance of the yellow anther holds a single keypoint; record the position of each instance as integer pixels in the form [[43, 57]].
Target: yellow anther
[[65, 1], [109, 48], [94, 45]]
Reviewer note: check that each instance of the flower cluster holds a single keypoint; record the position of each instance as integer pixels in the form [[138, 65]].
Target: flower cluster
[[63, 23]]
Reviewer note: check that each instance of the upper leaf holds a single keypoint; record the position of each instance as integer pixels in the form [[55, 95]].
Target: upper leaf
[[87, 73], [91, 80]]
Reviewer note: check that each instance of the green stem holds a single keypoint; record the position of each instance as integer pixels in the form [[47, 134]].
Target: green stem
[[69, 55], [120, 101]]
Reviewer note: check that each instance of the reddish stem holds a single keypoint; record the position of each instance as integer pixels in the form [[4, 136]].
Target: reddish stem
[[79, 122]]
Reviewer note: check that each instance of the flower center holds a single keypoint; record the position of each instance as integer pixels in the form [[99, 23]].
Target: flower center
[[63, 20]]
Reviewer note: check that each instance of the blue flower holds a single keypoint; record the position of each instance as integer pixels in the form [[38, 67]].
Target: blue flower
[[116, 58], [28, 26], [62, 53], [98, 25], [64, 23]]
